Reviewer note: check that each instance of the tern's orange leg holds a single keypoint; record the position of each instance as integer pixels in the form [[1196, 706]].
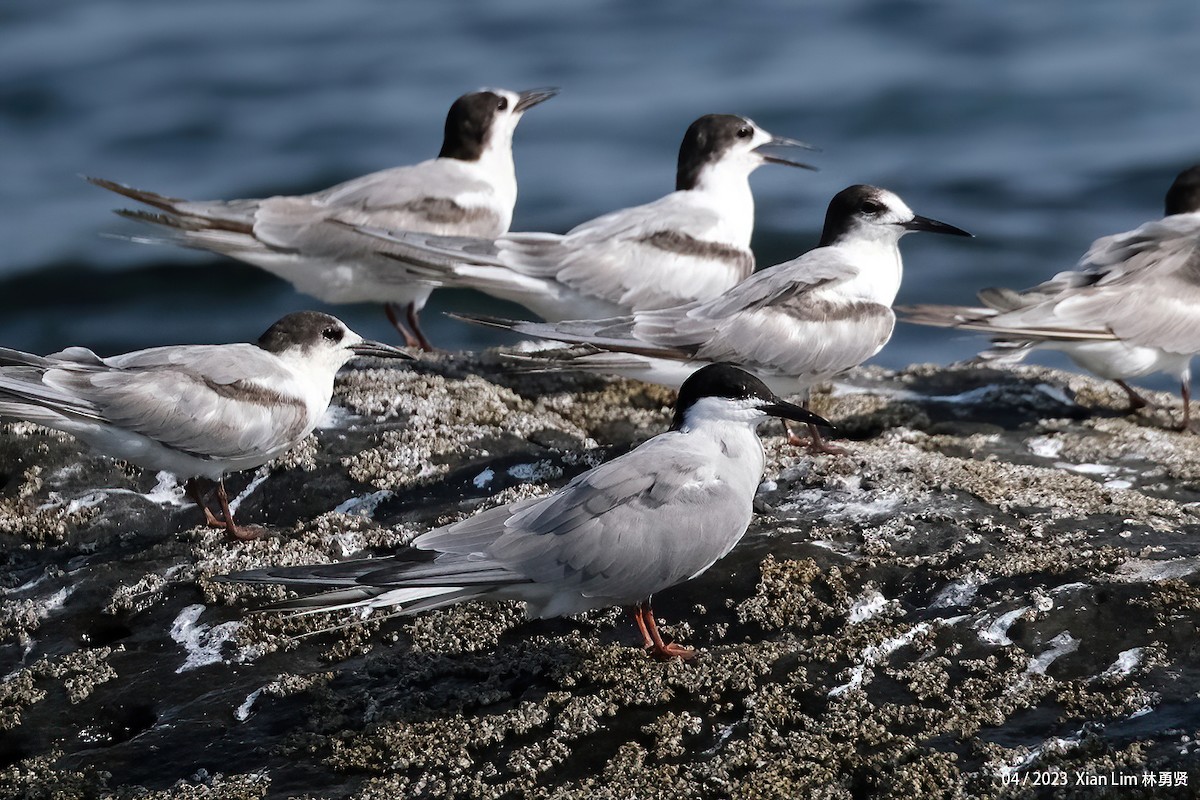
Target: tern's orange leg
[[1186, 390], [636, 613], [194, 492], [243, 533], [412, 333], [1136, 401], [393, 314], [815, 443], [658, 648], [415, 324]]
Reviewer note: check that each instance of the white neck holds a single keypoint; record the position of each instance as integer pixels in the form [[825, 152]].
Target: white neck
[[725, 187], [880, 267], [496, 160], [312, 377], [726, 420]]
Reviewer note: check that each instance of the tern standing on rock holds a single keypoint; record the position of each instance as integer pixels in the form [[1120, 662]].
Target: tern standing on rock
[[468, 190], [614, 536], [692, 244], [1130, 308], [794, 325], [197, 411]]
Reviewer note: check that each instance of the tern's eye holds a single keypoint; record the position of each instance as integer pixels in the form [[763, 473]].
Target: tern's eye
[[502, 104], [745, 132], [332, 334], [871, 207]]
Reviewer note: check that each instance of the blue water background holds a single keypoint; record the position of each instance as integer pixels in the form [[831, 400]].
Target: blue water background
[[1037, 125]]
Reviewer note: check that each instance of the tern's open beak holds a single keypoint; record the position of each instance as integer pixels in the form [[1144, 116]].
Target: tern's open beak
[[933, 226], [378, 350], [531, 97], [783, 141], [785, 410]]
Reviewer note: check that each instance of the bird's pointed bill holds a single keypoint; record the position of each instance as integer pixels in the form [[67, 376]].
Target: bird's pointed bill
[[378, 350], [783, 141], [928, 225], [785, 410], [532, 97]]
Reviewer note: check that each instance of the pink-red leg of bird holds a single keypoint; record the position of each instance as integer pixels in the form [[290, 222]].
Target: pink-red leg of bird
[[412, 333], [415, 324], [1186, 391], [393, 312], [815, 443], [636, 613], [1136, 401], [243, 533], [196, 494], [654, 641]]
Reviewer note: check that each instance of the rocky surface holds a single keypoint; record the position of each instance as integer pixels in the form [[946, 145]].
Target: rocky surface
[[997, 589]]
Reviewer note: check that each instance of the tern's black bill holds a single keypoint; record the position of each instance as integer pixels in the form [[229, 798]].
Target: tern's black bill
[[783, 141], [786, 410], [933, 226], [788, 162], [531, 97], [378, 350]]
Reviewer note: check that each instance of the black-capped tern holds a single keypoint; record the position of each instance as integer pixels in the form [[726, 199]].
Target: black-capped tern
[[196, 411], [657, 516]]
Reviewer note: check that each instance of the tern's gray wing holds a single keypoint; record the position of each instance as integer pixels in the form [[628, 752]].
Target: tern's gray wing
[[1142, 287], [653, 256], [787, 319], [18, 358], [1153, 246], [650, 256], [624, 530], [1117, 259], [437, 196], [999, 299], [573, 257], [217, 363], [205, 400]]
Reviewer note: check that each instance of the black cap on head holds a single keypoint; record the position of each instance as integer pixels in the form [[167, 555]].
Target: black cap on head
[[302, 328], [731, 382], [468, 124], [865, 203], [1184, 195], [846, 206], [705, 141]]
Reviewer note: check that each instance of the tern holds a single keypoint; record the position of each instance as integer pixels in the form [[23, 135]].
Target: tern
[[657, 516], [468, 190], [793, 325], [197, 411], [692, 244], [1130, 308]]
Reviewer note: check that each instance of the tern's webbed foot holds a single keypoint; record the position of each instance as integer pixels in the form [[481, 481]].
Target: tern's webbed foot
[[1187, 426], [816, 443], [667, 651], [246, 533], [1136, 401], [654, 644]]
